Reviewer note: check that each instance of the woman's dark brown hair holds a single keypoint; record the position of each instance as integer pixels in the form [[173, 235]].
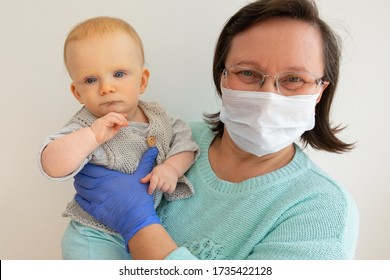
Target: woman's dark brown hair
[[323, 135]]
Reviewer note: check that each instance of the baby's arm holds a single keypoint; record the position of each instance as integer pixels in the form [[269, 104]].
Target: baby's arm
[[63, 155], [164, 176]]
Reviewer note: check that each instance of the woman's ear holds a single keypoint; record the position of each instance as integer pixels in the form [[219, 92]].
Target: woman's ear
[[76, 94], [324, 86], [144, 79]]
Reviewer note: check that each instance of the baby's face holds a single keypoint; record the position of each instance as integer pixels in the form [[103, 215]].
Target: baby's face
[[107, 73]]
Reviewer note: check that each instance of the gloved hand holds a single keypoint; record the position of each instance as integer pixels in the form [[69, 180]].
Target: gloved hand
[[116, 199]]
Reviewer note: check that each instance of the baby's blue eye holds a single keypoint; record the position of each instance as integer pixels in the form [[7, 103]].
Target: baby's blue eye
[[119, 74], [90, 80]]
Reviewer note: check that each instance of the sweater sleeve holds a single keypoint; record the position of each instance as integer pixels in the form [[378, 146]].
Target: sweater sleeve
[[320, 228], [182, 139], [181, 253]]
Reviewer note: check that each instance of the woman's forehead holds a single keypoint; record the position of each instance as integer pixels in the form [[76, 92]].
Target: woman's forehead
[[280, 42]]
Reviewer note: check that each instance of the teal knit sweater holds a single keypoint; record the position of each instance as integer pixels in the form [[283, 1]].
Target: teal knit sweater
[[296, 212]]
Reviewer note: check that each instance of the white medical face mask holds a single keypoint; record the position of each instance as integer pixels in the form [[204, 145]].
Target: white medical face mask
[[261, 123]]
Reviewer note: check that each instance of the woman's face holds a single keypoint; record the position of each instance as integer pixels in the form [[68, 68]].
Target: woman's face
[[278, 46]]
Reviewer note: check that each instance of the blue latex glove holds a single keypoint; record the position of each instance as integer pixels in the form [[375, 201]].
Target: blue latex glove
[[116, 199]]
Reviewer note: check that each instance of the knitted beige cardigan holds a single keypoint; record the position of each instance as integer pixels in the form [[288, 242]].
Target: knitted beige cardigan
[[123, 152]]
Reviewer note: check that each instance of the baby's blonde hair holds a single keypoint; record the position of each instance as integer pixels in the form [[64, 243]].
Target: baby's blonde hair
[[100, 26]]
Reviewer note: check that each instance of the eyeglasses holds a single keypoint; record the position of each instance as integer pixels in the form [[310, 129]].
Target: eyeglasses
[[292, 83]]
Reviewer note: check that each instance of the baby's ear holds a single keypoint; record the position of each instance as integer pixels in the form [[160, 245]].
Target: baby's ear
[[144, 79], [76, 94]]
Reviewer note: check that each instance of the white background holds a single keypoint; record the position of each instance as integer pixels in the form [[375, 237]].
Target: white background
[[179, 38]]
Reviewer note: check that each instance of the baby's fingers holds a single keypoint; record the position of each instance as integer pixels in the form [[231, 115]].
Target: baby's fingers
[[120, 120], [153, 184], [146, 179], [171, 188]]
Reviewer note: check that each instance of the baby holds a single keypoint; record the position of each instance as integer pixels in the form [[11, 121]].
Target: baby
[[105, 60]]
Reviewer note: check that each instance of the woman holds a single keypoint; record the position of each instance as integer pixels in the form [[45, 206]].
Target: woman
[[258, 196]]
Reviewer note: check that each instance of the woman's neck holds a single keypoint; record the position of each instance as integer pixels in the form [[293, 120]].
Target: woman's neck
[[232, 164]]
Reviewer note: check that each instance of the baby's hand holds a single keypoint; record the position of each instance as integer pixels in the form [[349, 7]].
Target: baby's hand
[[162, 178], [106, 127]]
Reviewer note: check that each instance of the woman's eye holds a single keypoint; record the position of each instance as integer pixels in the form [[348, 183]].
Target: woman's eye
[[248, 76], [247, 73], [90, 80], [294, 79], [119, 74]]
